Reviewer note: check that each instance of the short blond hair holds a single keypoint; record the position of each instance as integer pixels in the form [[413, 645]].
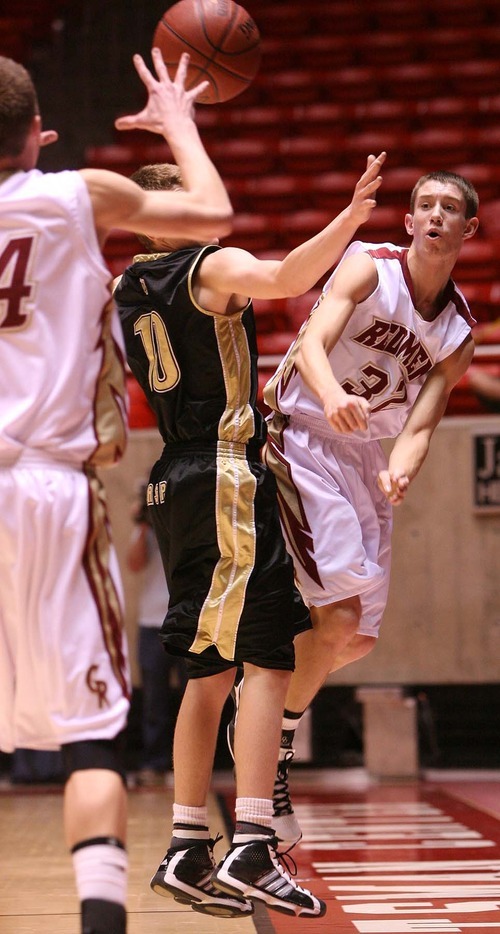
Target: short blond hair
[[162, 176]]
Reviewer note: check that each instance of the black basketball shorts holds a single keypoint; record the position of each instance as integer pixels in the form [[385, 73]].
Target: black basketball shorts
[[232, 594]]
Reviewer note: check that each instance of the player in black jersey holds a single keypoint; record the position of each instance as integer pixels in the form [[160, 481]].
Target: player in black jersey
[[190, 339]]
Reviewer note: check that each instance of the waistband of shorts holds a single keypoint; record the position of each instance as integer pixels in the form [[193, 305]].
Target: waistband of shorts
[[321, 427], [31, 457], [211, 448]]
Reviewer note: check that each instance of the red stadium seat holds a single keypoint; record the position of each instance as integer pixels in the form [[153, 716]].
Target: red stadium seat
[[273, 194], [303, 155], [301, 225], [386, 223], [252, 232], [299, 307], [381, 47], [475, 77], [296, 86], [260, 120], [324, 50], [485, 177], [359, 146], [478, 261], [386, 115], [447, 112], [398, 184], [115, 156], [403, 15], [270, 315], [490, 219], [461, 13], [415, 81], [275, 344], [442, 148], [243, 157], [353, 84], [488, 145], [331, 191], [324, 116], [456, 44], [484, 301]]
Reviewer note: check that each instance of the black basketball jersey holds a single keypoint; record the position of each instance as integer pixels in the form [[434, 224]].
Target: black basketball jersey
[[197, 369]]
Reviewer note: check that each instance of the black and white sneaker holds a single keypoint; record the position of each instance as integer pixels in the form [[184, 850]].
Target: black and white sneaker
[[285, 823], [251, 869], [186, 873]]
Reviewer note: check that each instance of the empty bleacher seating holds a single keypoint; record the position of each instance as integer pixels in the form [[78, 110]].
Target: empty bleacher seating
[[338, 81]]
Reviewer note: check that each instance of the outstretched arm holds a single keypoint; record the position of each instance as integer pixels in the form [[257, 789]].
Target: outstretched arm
[[234, 271], [354, 281], [412, 445], [203, 208]]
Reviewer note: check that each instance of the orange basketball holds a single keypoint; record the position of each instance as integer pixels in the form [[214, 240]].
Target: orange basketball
[[223, 42]]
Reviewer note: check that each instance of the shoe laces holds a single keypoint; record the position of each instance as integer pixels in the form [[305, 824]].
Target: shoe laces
[[213, 842], [281, 794], [286, 864]]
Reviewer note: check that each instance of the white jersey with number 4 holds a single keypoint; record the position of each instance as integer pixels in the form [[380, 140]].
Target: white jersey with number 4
[[386, 350], [64, 673], [62, 375]]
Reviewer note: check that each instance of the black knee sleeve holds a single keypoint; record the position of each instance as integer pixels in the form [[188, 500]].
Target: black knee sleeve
[[95, 754]]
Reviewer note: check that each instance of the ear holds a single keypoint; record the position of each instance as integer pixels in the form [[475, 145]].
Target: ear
[[409, 224], [470, 228]]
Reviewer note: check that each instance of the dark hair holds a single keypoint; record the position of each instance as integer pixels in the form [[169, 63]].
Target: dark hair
[[159, 177], [18, 106], [469, 192]]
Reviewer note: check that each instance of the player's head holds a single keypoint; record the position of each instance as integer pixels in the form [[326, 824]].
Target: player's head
[[468, 191], [18, 110], [160, 177]]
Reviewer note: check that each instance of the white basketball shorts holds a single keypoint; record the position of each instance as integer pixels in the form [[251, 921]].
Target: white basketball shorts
[[63, 657], [336, 522]]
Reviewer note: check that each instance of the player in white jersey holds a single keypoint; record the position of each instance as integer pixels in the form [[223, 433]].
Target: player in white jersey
[[377, 358], [64, 679]]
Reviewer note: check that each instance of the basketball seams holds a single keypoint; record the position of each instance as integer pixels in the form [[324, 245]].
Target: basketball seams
[[213, 34]]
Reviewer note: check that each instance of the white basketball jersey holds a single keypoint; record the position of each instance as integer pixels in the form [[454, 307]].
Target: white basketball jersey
[[62, 371], [385, 351]]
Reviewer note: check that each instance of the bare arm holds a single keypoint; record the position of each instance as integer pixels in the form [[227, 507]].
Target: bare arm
[[203, 208], [354, 281], [412, 445], [234, 271]]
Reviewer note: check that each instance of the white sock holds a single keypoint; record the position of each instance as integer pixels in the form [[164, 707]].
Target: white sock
[[190, 823], [101, 872], [255, 811]]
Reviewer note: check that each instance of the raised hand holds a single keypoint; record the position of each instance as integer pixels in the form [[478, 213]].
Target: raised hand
[[364, 197], [168, 101]]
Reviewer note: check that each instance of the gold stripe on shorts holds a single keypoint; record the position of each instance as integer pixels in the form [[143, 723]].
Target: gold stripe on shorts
[[234, 504], [96, 560]]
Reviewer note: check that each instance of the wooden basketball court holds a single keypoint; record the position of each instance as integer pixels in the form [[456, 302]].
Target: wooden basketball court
[[388, 858]]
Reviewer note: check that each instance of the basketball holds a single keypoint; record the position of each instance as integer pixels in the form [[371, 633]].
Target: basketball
[[223, 43]]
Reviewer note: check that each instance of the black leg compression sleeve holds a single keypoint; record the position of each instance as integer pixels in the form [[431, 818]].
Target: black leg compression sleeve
[[101, 917], [95, 754]]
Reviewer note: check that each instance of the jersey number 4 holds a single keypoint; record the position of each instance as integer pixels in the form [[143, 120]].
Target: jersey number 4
[[14, 288]]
